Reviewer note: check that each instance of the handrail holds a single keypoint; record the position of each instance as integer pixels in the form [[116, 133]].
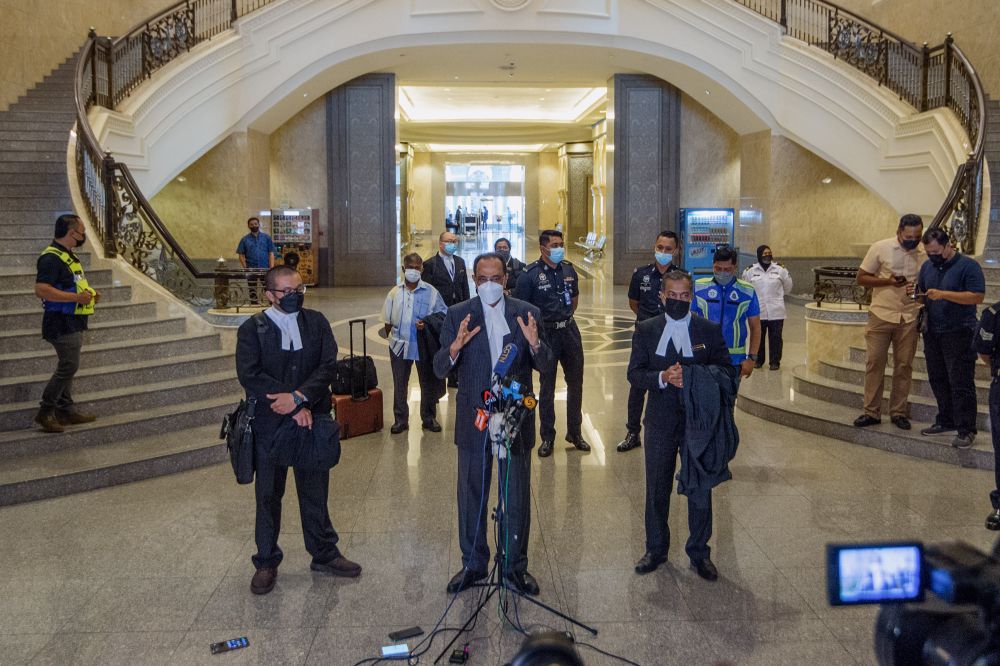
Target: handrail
[[109, 70]]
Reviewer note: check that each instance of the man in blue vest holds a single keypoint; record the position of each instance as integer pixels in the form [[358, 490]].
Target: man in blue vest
[[732, 303], [68, 301], [256, 250]]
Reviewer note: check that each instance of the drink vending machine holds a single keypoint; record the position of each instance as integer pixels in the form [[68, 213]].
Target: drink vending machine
[[295, 230], [702, 230]]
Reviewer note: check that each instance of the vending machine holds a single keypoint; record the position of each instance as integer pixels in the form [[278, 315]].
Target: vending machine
[[702, 230], [295, 230]]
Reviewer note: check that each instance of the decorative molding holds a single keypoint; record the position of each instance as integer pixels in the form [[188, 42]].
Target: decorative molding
[[835, 315], [444, 7], [586, 8], [510, 5]]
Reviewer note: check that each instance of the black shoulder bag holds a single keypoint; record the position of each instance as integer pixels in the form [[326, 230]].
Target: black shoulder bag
[[237, 427]]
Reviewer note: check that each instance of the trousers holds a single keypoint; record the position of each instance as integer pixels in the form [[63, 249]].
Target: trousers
[[770, 339], [567, 348], [57, 394], [879, 334], [401, 369], [951, 370]]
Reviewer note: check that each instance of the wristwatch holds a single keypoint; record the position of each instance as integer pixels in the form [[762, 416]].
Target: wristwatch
[[752, 357], [298, 400]]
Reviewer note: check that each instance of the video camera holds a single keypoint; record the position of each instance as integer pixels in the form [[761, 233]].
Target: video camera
[[961, 625]]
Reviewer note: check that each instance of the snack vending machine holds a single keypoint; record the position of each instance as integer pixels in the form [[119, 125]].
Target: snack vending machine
[[702, 230], [295, 230]]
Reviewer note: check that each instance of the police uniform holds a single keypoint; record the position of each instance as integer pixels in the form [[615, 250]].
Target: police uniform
[[731, 306], [985, 342], [552, 291]]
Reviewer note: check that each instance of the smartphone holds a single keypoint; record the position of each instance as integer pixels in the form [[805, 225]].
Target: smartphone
[[403, 634], [874, 573], [227, 646]]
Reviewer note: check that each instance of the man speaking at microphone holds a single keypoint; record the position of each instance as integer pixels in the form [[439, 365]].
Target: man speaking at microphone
[[474, 334]]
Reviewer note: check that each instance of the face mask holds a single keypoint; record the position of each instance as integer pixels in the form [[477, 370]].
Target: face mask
[[83, 239], [936, 259], [254, 230], [676, 308], [505, 254], [557, 254], [490, 292], [909, 244], [450, 248], [291, 303], [664, 258], [411, 274], [765, 261], [723, 278]]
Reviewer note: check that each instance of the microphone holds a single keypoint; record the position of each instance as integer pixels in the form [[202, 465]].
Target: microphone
[[505, 361]]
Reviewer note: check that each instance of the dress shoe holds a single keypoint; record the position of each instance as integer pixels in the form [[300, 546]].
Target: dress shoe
[[774, 366], [758, 366], [48, 421], [630, 442], [545, 450], [864, 421], [523, 582], [901, 422], [398, 427], [338, 566], [963, 440], [649, 562], [263, 581], [74, 418], [464, 579], [993, 520], [432, 425], [578, 442], [937, 429], [705, 569]]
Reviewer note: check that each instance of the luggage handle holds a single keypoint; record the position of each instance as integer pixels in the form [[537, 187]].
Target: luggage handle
[[363, 393], [364, 340]]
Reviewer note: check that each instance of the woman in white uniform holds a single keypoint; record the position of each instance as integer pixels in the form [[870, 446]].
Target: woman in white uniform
[[771, 282]]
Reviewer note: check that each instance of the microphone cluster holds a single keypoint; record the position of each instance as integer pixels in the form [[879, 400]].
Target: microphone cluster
[[505, 403]]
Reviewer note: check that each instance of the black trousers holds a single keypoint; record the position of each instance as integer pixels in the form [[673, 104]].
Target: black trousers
[[57, 394], [995, 435], [567, 347], [313, 488], [636, 401], [475, 468], [401, 368], [661, 450], [770, 335], [951, 370]]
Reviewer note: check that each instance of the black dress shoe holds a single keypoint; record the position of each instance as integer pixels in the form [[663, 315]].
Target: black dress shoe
[[864, 421], [578, 442], [432, 425], [630, 442], [649, 562], [523, 582], [993, 520], [901, 422], [705, 569], [398, 427], [774, 366], [464, 579], [545, 450], [937, 429], [263, 580]]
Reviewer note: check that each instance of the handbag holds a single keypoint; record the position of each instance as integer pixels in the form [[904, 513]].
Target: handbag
[[355, 375], [316, 448], [237, 430]]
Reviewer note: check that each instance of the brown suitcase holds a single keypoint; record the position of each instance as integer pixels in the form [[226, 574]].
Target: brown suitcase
[[358, 417]]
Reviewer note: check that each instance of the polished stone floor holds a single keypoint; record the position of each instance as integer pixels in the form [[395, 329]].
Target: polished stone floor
[[154, 572]]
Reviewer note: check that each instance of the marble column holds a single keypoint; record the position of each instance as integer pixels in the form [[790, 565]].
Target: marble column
[[361, 164], [644, 182]]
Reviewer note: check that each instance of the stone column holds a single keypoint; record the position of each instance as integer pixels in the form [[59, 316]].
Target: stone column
[[361, 164], [644, 178]]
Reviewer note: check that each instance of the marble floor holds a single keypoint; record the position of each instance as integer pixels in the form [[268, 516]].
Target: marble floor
[[154, 572]]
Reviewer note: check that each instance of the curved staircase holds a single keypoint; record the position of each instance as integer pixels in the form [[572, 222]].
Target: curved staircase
[[158, 382]]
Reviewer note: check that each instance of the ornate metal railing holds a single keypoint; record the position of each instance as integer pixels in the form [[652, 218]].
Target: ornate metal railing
[[925, 77], [838, 284], [107, 72]]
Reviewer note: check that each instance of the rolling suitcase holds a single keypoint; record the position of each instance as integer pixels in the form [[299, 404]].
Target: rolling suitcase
[[359, 411]]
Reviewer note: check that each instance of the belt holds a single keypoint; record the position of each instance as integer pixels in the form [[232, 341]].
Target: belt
[[558, 324]]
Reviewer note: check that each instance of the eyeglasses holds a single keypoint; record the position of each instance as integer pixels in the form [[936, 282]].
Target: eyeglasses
[[480, 279], [288, 292]]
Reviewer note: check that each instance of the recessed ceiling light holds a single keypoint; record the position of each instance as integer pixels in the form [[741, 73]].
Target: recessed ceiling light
[[181, 179], [456, 78], [305, 94], [827, 180], [548, 90], [708, 92]]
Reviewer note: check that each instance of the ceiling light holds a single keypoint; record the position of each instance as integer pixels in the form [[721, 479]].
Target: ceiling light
[[708, 92], [181, 179], [485, 148], [305, 94], [827, 180], [548, 90]]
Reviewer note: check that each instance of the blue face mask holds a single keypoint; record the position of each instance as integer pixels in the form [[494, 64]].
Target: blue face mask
[[450, 248], [724, 278], [664, 258], [557, 254]]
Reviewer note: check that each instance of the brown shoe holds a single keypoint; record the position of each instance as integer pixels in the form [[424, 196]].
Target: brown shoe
[[74, 418], [263, 581], [47, 419], [338, 566]]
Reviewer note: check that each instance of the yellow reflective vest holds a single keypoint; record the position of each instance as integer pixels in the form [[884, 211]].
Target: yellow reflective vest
[[80, 285]]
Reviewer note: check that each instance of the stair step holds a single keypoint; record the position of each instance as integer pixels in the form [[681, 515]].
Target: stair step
[[29, 217], [37, 188], [22, 259], [854, 373], [64, 117], [26, 300], [105, 378], [54, 92], [23, 144], [35, 134], [31, 168], [858, 356], [41, 104], [8, 124], [16, 156], [768, 396], [34, 244], [23, 280], [31, 318], [27, 340], [45, 203], [115, 462], [52, 179]]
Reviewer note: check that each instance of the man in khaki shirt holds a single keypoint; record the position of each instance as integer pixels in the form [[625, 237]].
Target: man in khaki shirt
[[890, 268]]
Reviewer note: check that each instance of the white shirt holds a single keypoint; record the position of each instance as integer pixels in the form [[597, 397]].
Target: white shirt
[[402, 308], [675, 331], [449, 262], [496, 328], [771, 285], [288, 324]]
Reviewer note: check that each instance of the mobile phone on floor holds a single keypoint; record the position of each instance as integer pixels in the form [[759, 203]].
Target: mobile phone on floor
[[228, 646], [397, 636]]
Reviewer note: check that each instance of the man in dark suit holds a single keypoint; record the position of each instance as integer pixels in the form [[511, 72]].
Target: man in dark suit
[[660, 347], [289, 373], [446, 272], [472, 337]]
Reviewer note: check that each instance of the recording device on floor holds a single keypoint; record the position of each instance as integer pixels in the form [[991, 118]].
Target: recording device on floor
[[959, 625], [403, 634], [230, 645], [547, 648]]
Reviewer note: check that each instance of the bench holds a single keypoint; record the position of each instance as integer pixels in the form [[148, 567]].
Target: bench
[[592, 246]]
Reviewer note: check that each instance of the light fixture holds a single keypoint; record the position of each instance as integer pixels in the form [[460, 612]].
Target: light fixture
[[827, 180], [305, 94], [708, 92], [181, 179], [485, 148]]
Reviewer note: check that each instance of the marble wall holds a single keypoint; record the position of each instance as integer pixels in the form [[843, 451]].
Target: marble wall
[[710, 160]]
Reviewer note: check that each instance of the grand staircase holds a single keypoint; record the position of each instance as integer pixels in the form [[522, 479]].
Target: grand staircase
[[159, 383]]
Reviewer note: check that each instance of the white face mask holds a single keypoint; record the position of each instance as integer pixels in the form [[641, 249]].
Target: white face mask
[[490, 292], [411, 274]]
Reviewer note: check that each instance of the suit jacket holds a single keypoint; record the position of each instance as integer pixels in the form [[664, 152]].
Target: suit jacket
[[475, 368], [271, 370], [436, 273], [664, 407]]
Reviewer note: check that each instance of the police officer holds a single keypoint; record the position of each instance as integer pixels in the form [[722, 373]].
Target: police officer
[[985, 343], [514, 265], [644, 300], [551, 285]]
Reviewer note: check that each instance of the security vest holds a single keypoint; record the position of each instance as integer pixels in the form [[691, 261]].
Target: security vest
[[731, 307], [80, 285]]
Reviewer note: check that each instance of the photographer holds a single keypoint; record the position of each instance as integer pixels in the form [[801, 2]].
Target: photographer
[[985, 343]]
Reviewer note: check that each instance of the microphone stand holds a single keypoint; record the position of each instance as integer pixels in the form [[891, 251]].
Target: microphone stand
[[512, 408]]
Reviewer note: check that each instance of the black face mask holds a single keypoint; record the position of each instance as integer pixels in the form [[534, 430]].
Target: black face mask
[[936, 259], [254, 230], [83, 239], [676, 308], [909, 244], [765, 261], [290, 303], [505, 254]]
